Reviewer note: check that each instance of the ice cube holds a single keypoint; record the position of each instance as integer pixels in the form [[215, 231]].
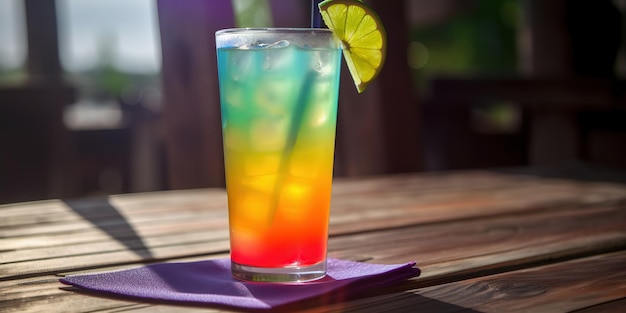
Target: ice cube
[[234, 139], [240, 63], [322, 63], [263, 45], [253, 45], [307, 162], [256, 207], [279, 44], [254, 196], [279, 57], [296, 195], [274, 95], [321, 104], [268, 134], [263, 184], [262, 163], [234, 94]]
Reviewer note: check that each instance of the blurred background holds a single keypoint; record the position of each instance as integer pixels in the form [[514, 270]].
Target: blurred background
[[111, 96]]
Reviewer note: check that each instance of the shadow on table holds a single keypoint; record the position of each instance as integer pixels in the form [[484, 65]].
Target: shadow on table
[[397, 302], [102, 214]]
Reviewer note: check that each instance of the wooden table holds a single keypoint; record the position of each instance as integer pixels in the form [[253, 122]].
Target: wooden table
[[486, 241]]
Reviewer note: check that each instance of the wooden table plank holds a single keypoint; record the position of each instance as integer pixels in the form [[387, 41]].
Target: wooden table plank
[[588, 227], [562, 287], [460, 226], [135, 206], [163, 238], [9, 271], [475, 247], [46, 294], [578, 284], [454, 250], [406, 204], [396, 189]]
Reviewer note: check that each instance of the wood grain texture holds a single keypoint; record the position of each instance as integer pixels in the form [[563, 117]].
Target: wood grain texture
[[468, 230], [563, 287]]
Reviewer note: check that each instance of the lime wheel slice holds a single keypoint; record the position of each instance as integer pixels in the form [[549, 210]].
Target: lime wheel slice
[[363, 37]]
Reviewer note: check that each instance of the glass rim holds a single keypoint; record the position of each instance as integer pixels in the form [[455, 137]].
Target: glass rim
[[236, 30]]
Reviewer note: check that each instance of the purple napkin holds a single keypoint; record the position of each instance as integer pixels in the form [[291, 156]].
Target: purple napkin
[[210, 282]]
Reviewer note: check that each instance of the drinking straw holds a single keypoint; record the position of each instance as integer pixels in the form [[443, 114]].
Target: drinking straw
[[292, 137], [316, 17], [296, 121]]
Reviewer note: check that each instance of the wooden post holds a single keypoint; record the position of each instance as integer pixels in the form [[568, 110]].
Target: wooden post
[[191, 114], [546, 53], [42, 38], [360, 144], [545, 47], [397, 96], [38, 136]]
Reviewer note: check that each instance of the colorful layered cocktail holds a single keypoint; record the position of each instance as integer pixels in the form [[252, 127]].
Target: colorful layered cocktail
[[278, 93]]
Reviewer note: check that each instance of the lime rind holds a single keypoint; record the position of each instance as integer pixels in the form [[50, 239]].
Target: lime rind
[[362, 35]]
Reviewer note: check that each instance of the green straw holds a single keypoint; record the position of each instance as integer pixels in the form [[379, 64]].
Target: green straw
[[296, 121], [292, 137]]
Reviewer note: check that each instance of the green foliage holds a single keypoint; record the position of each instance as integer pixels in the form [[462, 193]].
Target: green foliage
[[112, 81], [479, 39], [13, 76], [252, 13]]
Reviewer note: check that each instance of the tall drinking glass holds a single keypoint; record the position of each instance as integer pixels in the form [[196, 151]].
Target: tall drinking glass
[[278, 93]]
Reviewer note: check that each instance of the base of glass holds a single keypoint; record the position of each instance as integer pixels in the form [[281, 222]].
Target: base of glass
[[282, 274]]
